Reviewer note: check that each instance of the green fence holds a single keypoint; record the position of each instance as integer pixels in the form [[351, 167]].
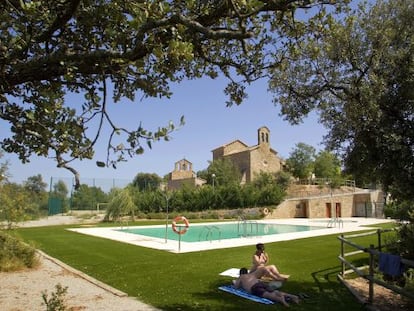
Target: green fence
[[55, 206], [93, 192]]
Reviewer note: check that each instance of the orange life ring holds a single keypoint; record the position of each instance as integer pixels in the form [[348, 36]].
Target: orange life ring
[[266, 211], [174, 224]]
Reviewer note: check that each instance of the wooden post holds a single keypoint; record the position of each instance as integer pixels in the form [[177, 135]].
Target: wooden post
[[379, 240], [371, 274]]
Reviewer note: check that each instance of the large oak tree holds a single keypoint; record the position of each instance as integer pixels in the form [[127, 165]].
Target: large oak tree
[[357, 72], [54, 47]]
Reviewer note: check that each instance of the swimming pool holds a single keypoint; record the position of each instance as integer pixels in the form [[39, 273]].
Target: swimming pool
[[174, 246], [219, 231]]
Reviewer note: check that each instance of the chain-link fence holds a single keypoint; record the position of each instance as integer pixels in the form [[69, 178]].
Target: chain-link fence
[[92, 194]]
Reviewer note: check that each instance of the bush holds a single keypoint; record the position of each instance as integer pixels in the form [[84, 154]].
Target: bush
[[403, 243], [15, 254], [57, 300], [399, 210]]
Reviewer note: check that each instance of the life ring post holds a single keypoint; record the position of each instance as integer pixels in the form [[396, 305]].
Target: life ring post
[[180, 229]]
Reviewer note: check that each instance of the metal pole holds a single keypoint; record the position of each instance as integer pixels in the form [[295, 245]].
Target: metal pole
[[1, 181], [342, 255], [179, 241], [213, 176], [166, 221], [332, 208], [49, 202]]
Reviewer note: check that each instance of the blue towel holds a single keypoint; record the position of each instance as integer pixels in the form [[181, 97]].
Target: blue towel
[[242, 293], [391, 264]]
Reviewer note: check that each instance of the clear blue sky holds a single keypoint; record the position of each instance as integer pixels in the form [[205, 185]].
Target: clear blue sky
[[209, 124]]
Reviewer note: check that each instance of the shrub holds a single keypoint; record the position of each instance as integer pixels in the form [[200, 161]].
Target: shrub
[[15, 254], [403, 242], [57, 300], [399, 210]]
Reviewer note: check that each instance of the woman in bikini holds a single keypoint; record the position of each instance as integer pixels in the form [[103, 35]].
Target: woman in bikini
[[260, 260]]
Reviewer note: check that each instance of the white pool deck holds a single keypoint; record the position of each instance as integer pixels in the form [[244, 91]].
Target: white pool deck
[[349, 225]]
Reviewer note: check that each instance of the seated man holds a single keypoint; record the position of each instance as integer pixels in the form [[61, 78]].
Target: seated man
[[251, 283]]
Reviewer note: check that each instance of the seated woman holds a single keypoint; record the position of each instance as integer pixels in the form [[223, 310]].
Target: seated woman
[[260, 260]]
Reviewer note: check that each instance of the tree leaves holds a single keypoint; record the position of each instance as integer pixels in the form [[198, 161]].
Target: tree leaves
[[52, 48], [356, 74]]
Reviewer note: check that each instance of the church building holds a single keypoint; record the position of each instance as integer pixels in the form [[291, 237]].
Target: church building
[[183, 174], [251, 160]]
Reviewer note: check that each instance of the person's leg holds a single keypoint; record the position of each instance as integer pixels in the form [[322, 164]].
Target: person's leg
[[274, 273], [260, 272], [276, 296], [273, 267], [294, 298]]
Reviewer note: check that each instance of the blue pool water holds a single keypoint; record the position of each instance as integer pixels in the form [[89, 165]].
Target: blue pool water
[[216, 232]]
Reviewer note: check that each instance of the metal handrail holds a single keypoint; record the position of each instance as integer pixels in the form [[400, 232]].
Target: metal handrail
[[209, 233], [245, 223], [333, 221]]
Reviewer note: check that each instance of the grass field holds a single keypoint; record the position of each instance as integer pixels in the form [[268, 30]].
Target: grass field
[[190, 281]]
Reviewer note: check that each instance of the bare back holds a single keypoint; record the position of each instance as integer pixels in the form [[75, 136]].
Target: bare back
[[246, 281]]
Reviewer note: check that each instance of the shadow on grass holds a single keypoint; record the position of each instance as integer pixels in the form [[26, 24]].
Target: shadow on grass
[[325, 293], [332, 293], [212, 299]]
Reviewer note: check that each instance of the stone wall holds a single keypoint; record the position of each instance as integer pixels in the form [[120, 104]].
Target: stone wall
[[319, 207], [263, 160]]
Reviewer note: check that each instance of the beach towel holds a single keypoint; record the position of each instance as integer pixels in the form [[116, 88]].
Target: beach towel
[[391, 264], [242, 293]]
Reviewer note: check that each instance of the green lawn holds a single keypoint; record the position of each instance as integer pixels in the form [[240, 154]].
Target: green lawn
[[189, 281]]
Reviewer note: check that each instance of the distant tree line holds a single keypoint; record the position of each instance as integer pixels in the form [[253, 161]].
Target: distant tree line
[[144, 194]]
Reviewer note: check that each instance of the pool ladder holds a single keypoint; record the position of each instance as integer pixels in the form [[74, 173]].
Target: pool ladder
[[243, 224], [336, 220], [123, 224], [209, 230]]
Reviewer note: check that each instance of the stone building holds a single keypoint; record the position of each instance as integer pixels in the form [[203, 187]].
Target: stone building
[[254, 159], [312, 202], [338, 204], [183, 174]]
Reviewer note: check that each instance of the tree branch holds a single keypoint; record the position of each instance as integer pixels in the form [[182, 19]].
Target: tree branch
[[60, 20], [61, 163]]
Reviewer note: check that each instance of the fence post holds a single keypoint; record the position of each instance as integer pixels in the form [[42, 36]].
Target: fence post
[[379, 240], [342, 255], [371, 274]]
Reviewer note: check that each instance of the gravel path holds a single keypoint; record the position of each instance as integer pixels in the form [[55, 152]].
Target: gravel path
[[22, 290]]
